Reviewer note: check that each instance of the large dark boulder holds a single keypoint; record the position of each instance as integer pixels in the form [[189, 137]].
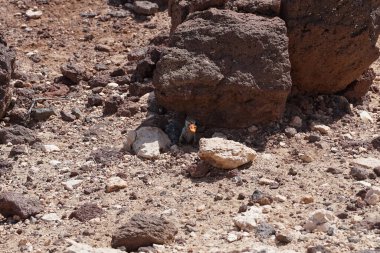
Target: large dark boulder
[[331, 42], [7, 62], [226, 69]]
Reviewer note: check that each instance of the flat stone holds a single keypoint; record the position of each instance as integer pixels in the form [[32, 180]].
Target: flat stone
[[50, 217], [115, 184], [369, 163], [12, 203], [48, 148], [86, 212], [33, 14], [248, 220], [85, 248], [72, 184]]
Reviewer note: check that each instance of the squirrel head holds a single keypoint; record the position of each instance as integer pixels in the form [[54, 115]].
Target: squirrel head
[[192, 128]]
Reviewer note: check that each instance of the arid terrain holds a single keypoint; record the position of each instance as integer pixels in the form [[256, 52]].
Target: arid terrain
[[300, 169]]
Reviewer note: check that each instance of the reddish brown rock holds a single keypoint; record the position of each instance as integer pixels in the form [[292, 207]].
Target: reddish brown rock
[[86, 212], [331, 43], [226, 69], [7, 61], [357, 89], [144, 230], [12, 203]]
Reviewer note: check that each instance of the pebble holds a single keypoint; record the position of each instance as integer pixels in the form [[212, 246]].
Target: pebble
[[320, 220], [306, 158], [359, 174], [372, 197], [72, 184], [284, 237], [323, 129], [366, 117], [115, 184], [200, 208], [232, 237], [112, 85], [296, 121], [307, 200], [145, 7], [248, 220], [50, 217], [368, 162], [266, 181], [33, 13], [290, 131], [49, 148]]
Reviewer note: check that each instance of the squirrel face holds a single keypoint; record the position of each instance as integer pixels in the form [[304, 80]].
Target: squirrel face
[[192, 128]]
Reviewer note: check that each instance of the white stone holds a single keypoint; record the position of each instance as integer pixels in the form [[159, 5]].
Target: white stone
[[306, 158], [323, 129], [366, 117], [320, 221], [54, 163], [34, 14], [372, 197], [48, 148], [150, 142], [84, 248], [369, 163], [225, 154], [50, 217], [115, 184], [72, 184], [232, 237], [280, 198], [112, 85], [248, 220], [266, 181]]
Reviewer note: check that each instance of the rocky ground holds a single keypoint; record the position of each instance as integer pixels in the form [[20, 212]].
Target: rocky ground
[[299, 169]]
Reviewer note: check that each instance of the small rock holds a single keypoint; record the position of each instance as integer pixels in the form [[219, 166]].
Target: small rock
[[198, 170], [49, 148], [290, 131], [266, 181], [284, 237], [296, 122], [77, 113], [306, 158], [18, 150], [12, 203], [86, 212], [369, 162], [359, 174], [313, 138], [94, 100], [72, 184], [150, 142], [115, 184], [144, 230], [50, 217], [232, 237], [366, 117], [334, 171], [42, 114], [372, 196], [320, 221], [247, 221], [33, 14], [225, 154], [112, 85], [261, 198], [265, 230], [323, 129], [145, 7], [103, 48], [307, 200], [67, 116], [84, 248]]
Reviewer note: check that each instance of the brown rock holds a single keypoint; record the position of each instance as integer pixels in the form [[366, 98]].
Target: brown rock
[[357, 89], [216, 83], [17, 135], [12, 203], [86, 212], [7, 61], [144, 230], [331, 43]]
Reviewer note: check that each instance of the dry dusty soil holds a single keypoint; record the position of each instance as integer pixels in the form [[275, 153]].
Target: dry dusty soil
[[300, 172]]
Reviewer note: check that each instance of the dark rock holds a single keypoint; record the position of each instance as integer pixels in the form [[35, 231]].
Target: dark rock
[[146, 66], [198, 170], [144, 230], [106, 156], [7, 65], [17, 135], [357, 89], [18, 150], [86, 212], [214, 82], [376, 143], [112, 104], [318, 249], [94, 100], [265, 230], [42, 114], [67, 116], [137, 54], [140, 89], [284, 237], [290, 131], [76, 112], [359, 174], [145, 7], [128, 109], [377, 171], [342, 216], [243, 208], [313, 138], [5, 167], [292, 172], [73, 72], [99, 81], [117, 72], [334, 171], [260, 7], [12, 203], [261, 198], [329, 53], [103, 48]]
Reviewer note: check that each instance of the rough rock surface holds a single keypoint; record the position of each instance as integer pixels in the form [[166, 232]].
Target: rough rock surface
[[329, 53], [215, 82], [225, 154], [87, 212], [144, 230], [7, 60], [17, 135], [150, 142], [12, 203]]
